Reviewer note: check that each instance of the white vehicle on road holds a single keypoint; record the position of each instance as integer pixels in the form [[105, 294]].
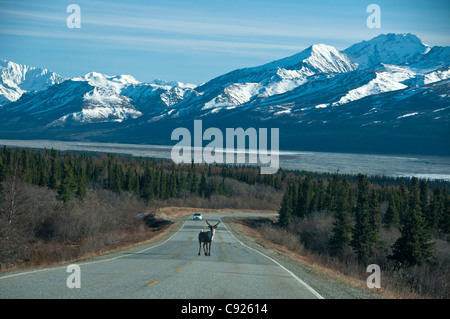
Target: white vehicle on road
[[198, 216]]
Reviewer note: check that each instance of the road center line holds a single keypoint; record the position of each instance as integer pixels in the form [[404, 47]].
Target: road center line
[[152, 283]]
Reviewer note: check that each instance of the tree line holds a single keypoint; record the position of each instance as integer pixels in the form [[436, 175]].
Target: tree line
[[59, 205], [72, 174], [416, 210]]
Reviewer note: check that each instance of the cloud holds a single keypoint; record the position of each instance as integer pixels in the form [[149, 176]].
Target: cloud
[[262, 34]]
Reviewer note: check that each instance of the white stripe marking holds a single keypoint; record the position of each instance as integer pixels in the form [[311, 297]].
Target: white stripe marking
[[94, 262], [315, 293]]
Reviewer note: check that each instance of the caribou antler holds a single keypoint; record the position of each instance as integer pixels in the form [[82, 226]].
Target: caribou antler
[[214, 225]]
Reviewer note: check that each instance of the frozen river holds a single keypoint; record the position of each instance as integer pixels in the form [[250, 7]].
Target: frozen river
[[429, 167]]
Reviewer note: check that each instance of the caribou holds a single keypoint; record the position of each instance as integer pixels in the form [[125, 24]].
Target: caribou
[[206, 237]]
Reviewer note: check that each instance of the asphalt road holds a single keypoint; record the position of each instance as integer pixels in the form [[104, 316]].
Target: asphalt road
[[168, 269]]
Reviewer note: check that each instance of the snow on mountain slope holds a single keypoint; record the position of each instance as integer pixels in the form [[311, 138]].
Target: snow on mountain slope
[[397, 49], [277, 77], [8, 94], [93, 98], [157, 91], [284, 81], [17, 79], [318, 58], [327, 59], [437, 58], [115, 83], [318, 77], [420, 79], [234, 95], [150, 97], [122, 97], [173, 84], [98, 107], [317, 85], [383, 82], [73, 101]]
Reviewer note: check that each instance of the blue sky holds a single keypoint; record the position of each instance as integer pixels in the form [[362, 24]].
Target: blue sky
[[196, 40]]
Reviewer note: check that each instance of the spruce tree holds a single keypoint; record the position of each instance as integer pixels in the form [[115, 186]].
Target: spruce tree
[[331, 194], [342, 224], [424, 205], [436, 209], [306, 196], [81, 192], [163, 193], [2, 177], [297, 198], [445, 224], [53, 178], [414, 247], [287, 206], [172, 191], [375, 223], [402, 201], [147, 185], [363, 231], [194, 180], [392, 217], [320, 194], [203, 186], [67, 184], [181, 181]]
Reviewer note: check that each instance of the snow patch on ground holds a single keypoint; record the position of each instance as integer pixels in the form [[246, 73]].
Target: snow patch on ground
[[408, 115]]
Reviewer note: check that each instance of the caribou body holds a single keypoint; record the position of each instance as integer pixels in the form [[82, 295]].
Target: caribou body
[[206, 237]]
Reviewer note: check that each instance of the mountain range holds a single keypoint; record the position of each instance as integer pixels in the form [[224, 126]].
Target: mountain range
[[386, 95]]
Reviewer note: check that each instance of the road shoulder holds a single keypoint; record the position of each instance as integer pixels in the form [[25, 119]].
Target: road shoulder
[[328, 283]]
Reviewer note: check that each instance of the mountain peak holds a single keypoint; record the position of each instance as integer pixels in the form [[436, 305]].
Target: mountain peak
[[391, 48], [320, 47], [17, 79], [160, 82], [96, 76], [115, 83], [399, 37], [318, 58], [326, 58]]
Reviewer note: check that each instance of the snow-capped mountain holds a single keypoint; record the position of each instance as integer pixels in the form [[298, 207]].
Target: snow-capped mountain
[[241, 86], [17, 79], [313, 77], [113, 83], [334, 98], [122, 97], [396, 49], [72, 102], [96, 98]]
